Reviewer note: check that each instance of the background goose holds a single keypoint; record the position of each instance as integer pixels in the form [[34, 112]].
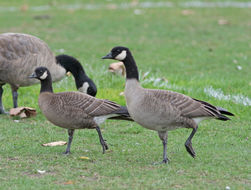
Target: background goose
[[74, 110], [83, 82], [20, 54], [162, 110]]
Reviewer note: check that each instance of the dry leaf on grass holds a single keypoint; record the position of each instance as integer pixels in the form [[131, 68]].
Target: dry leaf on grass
[[23, 112], [117, 68], [223, 22], [24, 8], [84, 158], [41, 171], [69, 182], [57, 143], [187, 12]]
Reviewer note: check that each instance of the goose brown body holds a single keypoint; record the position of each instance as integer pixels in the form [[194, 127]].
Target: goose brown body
[[74, 110], [20, 54]]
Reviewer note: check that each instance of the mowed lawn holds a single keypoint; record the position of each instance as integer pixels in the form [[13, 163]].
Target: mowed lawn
[[203, 52]]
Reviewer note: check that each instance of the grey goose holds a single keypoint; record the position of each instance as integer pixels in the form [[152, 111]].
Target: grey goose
[[20, 54], [162, 110], [75, 110]]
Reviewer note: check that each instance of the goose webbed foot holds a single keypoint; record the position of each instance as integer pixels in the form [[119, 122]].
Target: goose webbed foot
[[104, 146], [164, 161], [66, 153], [190, 149], [188, 143], [101, 139]]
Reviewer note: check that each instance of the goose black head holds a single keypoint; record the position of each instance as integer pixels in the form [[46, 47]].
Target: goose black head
[[118, 53], [40, 73]]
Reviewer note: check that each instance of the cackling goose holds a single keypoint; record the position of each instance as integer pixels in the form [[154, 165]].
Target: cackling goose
[[162, 110]]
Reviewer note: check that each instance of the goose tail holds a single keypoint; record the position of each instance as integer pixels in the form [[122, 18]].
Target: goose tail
[[217, 112], [222, 114], [224, 111], [122, 114]]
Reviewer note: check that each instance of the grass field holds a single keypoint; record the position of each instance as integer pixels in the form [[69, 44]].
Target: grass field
[[192, 51]]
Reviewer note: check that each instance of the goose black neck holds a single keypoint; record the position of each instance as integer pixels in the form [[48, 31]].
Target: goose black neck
[[46, 84], [74, 66], [131, 67]]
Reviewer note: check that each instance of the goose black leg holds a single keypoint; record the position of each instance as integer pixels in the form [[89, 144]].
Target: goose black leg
[[188, 143], [70, 133], [163, 136], [102, 141], [14, 96], [1, 103]]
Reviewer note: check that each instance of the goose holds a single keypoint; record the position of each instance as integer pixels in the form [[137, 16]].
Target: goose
[[83, 83], [162, 110], [20, 54], [75, 110]]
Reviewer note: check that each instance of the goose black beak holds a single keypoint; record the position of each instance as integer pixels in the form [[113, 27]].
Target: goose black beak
[[108, 56], [33, 75]]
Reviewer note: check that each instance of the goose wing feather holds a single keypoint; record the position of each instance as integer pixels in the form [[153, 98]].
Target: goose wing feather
[[15, 46], [20, 54], [187, 106], [90, 105]]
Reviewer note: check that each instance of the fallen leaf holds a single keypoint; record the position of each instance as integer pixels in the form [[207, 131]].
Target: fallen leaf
[[24, 8], [69, 182], [41, 171], [84, 158], [23, 112], [57, 143], [187, 12], [117, 68], [223, 22]]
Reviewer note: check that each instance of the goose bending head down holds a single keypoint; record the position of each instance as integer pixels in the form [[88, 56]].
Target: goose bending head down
[[162, 110], [20, 54], [75, 110]]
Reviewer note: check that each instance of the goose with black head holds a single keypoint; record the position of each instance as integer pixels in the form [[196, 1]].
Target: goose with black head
[[163, 110], [20, 54], [75, 110]]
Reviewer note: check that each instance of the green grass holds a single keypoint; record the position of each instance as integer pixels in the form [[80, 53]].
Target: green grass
[[192, 52]]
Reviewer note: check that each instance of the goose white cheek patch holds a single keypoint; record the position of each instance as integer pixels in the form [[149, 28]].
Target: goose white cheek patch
[[84, 88], [121, 56], [44, 75]]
